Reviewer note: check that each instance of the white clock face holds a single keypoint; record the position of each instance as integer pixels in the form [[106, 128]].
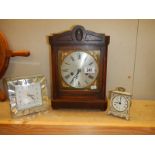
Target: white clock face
[[120, 103], [79, 69], [28, 96]]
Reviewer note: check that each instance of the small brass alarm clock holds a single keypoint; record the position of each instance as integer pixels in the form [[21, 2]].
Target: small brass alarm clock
[[120, 103], [79, 62]]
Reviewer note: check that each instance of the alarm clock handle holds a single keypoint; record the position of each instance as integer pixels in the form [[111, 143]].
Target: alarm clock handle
[[122, 89]]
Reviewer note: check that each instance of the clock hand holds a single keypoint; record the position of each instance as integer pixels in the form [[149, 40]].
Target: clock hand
[[116, 102], [79, 70], [72, 80], [31, 96], [76, 75], [120, 99]]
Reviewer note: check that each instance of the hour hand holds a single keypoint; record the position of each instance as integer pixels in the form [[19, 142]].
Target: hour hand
[[31, 96], [76, 75], [78, 71], [73, 79]]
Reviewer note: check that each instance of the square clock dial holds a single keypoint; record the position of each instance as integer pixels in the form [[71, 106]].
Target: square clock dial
[[79, 62], [27, 95], [79, 69], [120, 104]]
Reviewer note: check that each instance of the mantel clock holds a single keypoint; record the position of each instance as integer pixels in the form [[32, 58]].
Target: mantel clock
[[79, 62]]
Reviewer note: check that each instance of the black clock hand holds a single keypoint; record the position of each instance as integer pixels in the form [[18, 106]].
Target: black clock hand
[[79, 70], [120, 99], [72, 80], [76, 75], [31, 96]]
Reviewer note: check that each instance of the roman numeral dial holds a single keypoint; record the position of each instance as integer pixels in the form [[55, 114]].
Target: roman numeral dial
[[79, 69]]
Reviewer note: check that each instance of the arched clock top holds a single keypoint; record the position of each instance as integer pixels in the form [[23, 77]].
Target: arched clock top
[[79, 35]]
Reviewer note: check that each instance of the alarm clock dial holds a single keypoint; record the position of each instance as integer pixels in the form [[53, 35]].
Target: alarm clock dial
[[79, 69], [120, 103]]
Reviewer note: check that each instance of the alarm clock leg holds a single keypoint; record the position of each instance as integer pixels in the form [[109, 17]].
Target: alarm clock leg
[[127, 117]]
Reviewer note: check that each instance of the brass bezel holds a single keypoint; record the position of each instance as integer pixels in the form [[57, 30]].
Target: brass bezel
[[123, 114], [62, 54]]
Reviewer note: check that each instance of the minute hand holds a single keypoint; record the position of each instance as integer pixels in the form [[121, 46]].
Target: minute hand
[[78, 71]]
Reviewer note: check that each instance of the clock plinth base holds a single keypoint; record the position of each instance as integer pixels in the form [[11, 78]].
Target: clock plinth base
[[99, 104]]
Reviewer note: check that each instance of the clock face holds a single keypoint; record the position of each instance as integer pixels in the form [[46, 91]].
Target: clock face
[[79, 69], [28, 96], [120, 103]]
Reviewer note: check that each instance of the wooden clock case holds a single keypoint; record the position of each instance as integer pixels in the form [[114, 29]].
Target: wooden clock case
[[80, 39]]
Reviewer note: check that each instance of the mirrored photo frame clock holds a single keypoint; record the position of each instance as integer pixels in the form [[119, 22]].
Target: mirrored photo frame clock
[[27, 95]]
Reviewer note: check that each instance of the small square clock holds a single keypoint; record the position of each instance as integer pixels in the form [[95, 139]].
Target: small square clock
[[120, 103], [27, 95]]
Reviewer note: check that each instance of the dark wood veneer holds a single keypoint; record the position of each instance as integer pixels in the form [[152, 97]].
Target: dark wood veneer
[[79, 38]]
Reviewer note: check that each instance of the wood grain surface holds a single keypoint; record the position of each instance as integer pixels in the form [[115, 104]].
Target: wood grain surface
[[78, 39], [68, 121]]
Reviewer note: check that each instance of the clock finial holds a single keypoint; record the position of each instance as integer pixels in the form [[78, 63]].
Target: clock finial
[[78, 33]]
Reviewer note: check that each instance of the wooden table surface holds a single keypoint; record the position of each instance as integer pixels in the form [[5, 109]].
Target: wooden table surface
[[65, 121]]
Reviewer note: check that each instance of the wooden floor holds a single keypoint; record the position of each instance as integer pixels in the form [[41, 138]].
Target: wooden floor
[[142, 121]]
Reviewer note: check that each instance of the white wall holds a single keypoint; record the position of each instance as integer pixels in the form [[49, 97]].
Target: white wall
[[144, 77], [123, 69]]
